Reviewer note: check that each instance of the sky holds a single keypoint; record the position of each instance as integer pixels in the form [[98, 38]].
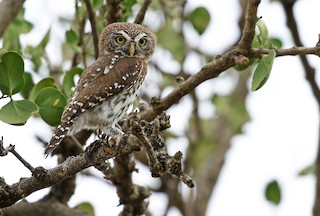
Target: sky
[[279, 141]]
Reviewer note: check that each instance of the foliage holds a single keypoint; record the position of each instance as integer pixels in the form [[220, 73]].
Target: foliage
[[273, 192], [47, 97], [264, 64]]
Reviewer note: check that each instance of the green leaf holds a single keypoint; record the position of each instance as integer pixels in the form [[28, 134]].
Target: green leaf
[[45, 40], [273, 193], [72, 40], [86, 207], [37, 52], [51, 103], [171, 40], [97, 4], [18, 26], [263, 36], [262, 28], [276, 42], [263, 71], [311, 169], [68, 80], [71, 37], [11, 73], [28, 84], [127, 12], [2, 52], [199, 19], [46, 82], [17, 112]]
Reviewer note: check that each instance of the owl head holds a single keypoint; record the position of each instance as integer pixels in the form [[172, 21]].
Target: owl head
[[128, 40]]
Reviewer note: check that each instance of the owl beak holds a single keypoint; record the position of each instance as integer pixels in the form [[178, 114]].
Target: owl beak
[[131, 49]]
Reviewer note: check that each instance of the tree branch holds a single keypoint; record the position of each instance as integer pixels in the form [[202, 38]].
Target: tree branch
[[8, 10], [142, 12], [310, 71], [92, 19], [248, 31], [257, 52], [310, 76], [113, 12], [94, 154]]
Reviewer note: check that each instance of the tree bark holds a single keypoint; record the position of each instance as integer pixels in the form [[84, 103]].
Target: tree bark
[[8, 10]]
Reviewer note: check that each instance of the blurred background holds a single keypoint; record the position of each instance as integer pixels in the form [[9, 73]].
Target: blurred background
[[249, 153]]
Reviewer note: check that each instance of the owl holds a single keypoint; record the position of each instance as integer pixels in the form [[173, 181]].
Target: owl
[[109, 86]]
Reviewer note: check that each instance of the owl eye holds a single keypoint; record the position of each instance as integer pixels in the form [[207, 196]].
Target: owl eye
[[143, 41], [120, 39]]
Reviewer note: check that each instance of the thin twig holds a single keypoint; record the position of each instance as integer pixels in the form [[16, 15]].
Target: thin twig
[[11, 148], [142, 12], [21, 159], [92, 19], [257, 52]]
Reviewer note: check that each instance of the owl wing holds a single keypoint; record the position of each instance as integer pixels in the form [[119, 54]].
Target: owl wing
[[101, 81]]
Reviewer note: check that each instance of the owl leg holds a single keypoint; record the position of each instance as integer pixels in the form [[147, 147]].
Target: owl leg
[[114, 132]]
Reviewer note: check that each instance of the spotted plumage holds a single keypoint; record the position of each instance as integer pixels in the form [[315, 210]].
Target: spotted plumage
[[110, 85]]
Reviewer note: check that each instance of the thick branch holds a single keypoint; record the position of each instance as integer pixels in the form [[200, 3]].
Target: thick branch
[[72, 165], [248, 31]]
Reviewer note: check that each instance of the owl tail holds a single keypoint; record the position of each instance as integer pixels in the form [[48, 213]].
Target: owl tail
[[57, 137]]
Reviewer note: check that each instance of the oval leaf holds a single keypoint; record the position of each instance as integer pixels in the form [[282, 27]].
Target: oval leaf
[[263, 70], [45, 40], [44, 83], [262, 28], [171, 40], [11, 73], [263, 36], [86, 207], [71, 37], [273, 192], [27, 85], [276, 42], [199, 19], [311, 169], [68, 80], [17, 112], [51, 103]]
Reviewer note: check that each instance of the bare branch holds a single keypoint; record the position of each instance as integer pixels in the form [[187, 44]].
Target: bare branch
[[310, 71], [248, 31], [93, 155], [8, 10], [257, 52], [142, 12], [114, 11], [92, 19]]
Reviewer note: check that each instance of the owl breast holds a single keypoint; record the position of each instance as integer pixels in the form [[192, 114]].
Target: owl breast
[[110, 112]]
